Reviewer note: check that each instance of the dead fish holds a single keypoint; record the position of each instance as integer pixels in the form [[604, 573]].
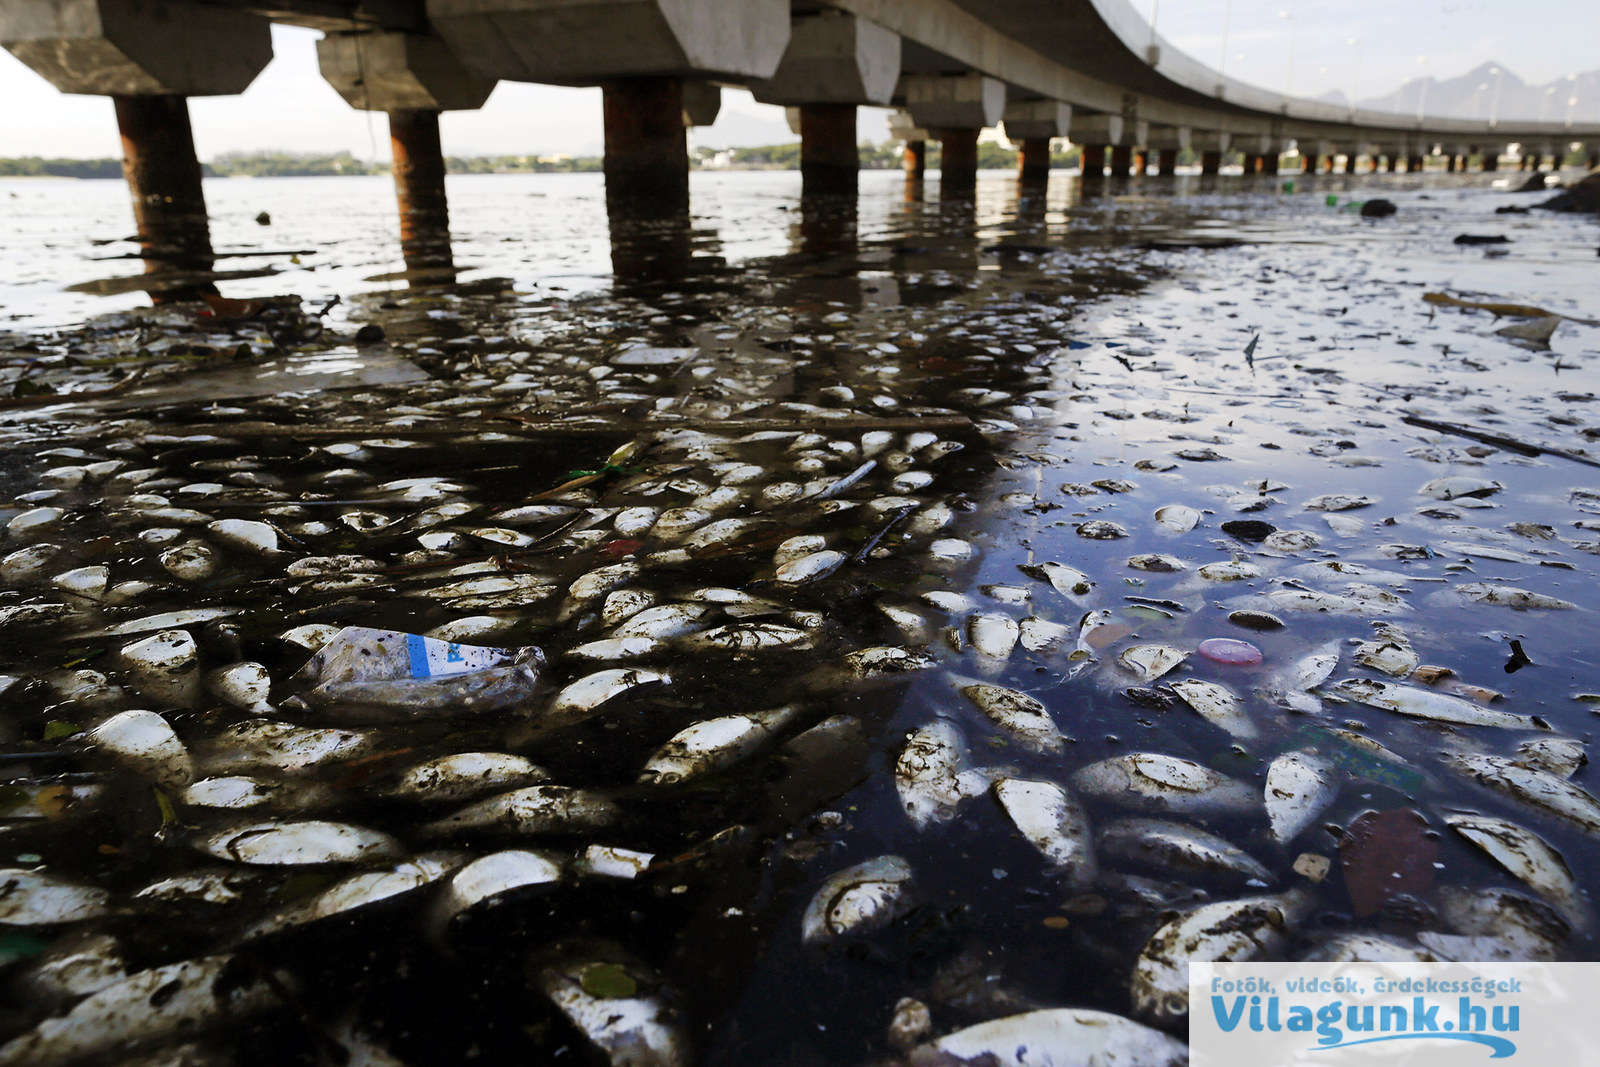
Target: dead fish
[[1153, 781], [358, 891], [713, 745], [493, 876], [1217, 704], [810, 568], [34, 898], [74, 966], [930, 774], [1427, 704], [1357, 599], [595, 585], [165, 667], [609, 861], [1496, 924], [1292, 686], [993, 635], [1509, 596], [1068, 581], [265, 744], [1149, 662], [664, 621], [858, 900], [161, 1004], [145, 743], [1237, 570], [589, 694], [239, 792], [1368, 948], [1178, 518], [287, 843], [1339, 502], [1041, 635], [1101, 530], [1550, 793], [1450, 488], [88, 583], [1168, 848], [1053, 822], [748, 637], [1019, 714], [1056, 1037], [246, 535], [536, 809], [1157, 562], [1389, 652], [1526, 856], [1228, 930], [1300, 785], [245, 686], [619, 1005], [464, 775], [886, 660], [1561, 756]]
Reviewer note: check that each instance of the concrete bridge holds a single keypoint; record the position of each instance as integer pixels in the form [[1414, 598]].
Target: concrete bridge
[[1092, 71]]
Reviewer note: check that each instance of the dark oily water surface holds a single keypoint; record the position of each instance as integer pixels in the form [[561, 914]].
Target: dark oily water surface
[[1093, 362]]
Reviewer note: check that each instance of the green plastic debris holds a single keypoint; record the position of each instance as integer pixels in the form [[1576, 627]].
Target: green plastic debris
[[56, 729], [1332, 200], [607, 980]]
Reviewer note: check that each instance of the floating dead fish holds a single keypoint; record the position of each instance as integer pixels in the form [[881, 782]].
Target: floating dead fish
[[245, 686], [1149, 662], [1057, 1037], [265, 744], [1229, 930], [608, 861], [1053, 822], [1339, 502], [145, 744], [1068, 581], [1041, 635], [465, 775], [35, 898], [993, 635], [239, 792], [1358, 599], [618, 1004], [165, 667], [930, 774], [1158, 563], [748, 637], [1167, 848], [537, 809], [1496, 924], [811, 567], [1300, 785], [886, 660], [1101, 530], [289, 843], [1526, 856], [245, 535], [589, 694], [1389, 652], [1178, 518], [492, 876], [858, 900], [1428, 704], [1217, 704], [359, 891], [1153, 781], [1561, 756], [664, 621], [714, 745], [1233, 571], [1549, 793], [161, 1004], [1509, 596], [1019, 714], [1368, 948], [1291, 686], [1450, 488]]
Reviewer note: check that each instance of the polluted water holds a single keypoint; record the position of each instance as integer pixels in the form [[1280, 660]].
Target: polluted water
[[912, 646]]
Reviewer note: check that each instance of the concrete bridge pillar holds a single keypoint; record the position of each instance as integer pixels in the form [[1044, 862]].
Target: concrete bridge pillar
[[1391, 162], [955, 109], [1416, 164], [647, 149], [915, 160], [1308, 161], [1351, 159], [412, 77], [1121, 160], [834, 61], [149, 56], [1594, 159], [1269, 163], [1210, 161], [1031, 125], [1094, 162]]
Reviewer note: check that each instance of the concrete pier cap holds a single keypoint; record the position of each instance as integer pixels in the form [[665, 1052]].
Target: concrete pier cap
[[1027, 120], [953, 101], [1096, 129], [902, 127], [582, 42], [1169, 138], [137, 47], [834, 57], [702, 103], [1210, 141], [396, 71]]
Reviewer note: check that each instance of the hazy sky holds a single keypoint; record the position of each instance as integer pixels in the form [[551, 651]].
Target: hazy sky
[[1363, 47]]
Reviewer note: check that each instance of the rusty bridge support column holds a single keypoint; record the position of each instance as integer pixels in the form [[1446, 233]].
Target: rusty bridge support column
[[419, 190], [829, 159], [647, 150], [958, 162], [1033, 161], [1094, 162], [1308, 163], [915, 160], [163, 176]]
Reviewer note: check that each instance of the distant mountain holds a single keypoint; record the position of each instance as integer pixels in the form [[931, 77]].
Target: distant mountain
[[1491, 90]]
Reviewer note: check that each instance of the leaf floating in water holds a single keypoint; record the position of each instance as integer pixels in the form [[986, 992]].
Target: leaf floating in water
[[1250, 352], [607, 980], [1384, 854]]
